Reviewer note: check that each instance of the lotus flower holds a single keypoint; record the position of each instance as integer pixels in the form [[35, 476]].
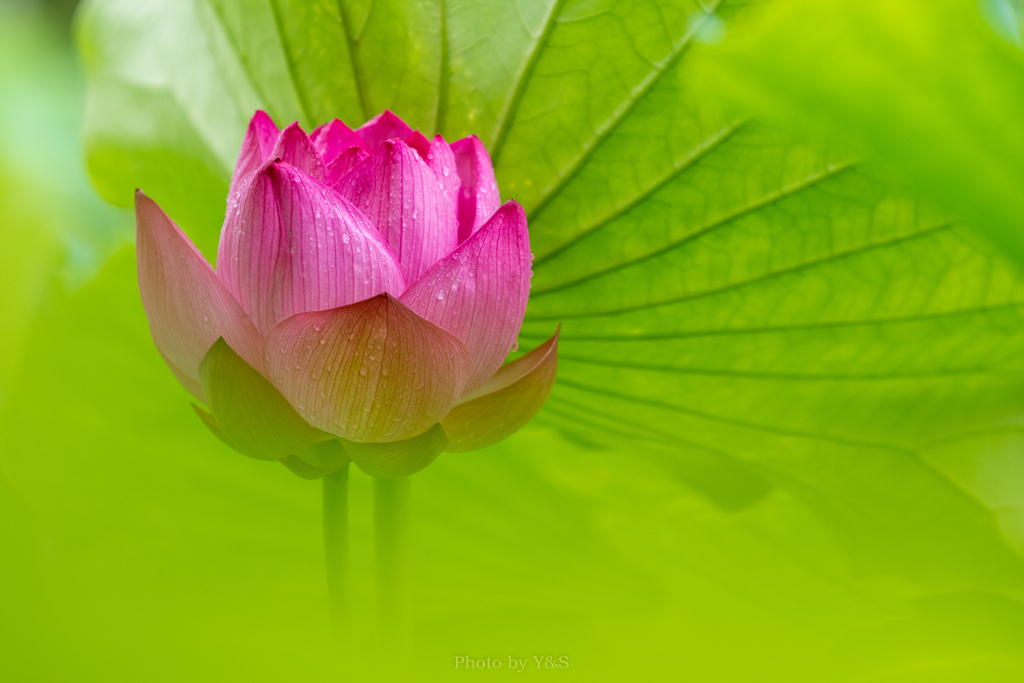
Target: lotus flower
[[368, 290]]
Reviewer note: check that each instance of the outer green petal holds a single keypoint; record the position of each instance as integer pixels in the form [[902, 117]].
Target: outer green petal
[[304, 469], [211, 423], [505, 402], [398, 458], [328, 455], [253, 416]]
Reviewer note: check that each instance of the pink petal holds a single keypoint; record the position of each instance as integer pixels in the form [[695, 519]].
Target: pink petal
[[257, 146], [419, 142], [370, 372], [340, 165], [479, 292], [403, 197], [187, 305], [506, 402], [383, 126], [398, 458], [292, 244], [333, 138], [478, 195], [441, 160], [294, 147]]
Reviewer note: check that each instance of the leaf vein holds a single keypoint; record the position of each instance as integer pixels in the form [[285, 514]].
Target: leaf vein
[[353, 44], [289, 60], [609, 125], [744, 424], [507, 114], [790, 328], [705, 147], [764, 202], [805, 377]]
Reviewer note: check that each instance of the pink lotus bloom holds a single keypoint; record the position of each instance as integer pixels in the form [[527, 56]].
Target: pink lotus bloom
[[368, 290]]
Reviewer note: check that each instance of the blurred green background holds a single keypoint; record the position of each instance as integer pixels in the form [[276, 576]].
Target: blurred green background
[[785, 444]]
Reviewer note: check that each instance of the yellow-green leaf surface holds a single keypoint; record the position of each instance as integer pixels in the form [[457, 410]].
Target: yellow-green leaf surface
[[783, 443], [927, 92], [723, 287]]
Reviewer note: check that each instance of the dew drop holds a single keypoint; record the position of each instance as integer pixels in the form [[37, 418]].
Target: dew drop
[[440, 295]]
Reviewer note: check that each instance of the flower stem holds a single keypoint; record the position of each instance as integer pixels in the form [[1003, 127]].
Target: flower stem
[[336, 548], [391, 529]]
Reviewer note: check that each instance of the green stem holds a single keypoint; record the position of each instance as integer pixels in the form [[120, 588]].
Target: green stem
[[391, 529], [336, 547]]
